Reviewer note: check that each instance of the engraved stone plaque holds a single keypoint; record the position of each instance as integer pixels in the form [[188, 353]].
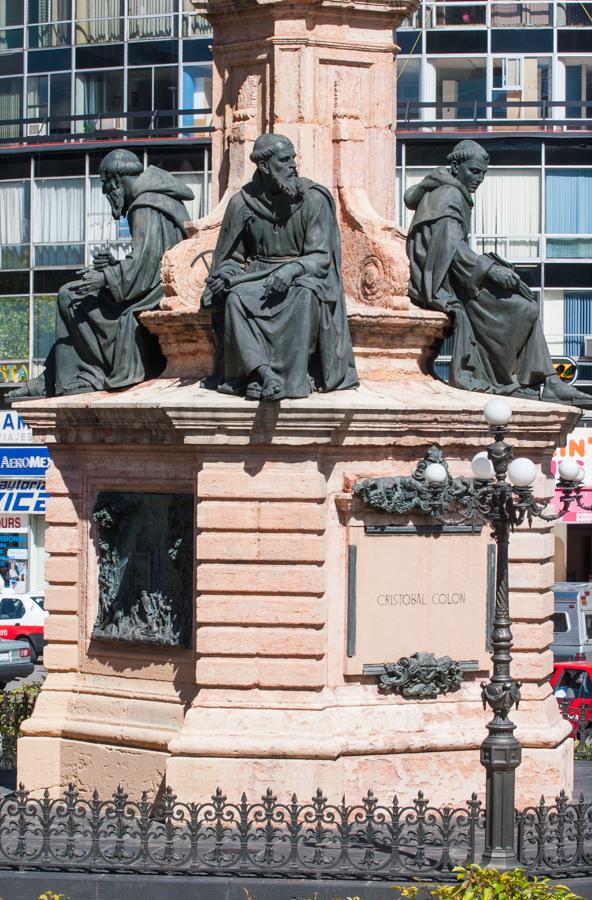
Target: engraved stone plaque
[[418, 589]]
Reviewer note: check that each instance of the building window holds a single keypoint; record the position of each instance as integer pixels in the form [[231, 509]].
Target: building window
[[11, 105], [574, 14], [151, 18], [520, 15], [569, 213], [521, 87], [507, 217], [99, 21], [578, 87], [455, 14], [11, 21], [100, 94], [14, 328], [577, 323], [44, 326], [58, 230], [192, 24], [14, 224], [152, 89], [49, 23], [197, 95], [460, 88], [408, 88]]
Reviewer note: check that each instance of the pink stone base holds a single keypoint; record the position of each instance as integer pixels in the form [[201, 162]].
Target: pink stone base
[[450, 776], [54, 763]]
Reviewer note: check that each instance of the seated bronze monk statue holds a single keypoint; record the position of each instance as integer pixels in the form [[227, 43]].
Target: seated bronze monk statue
[[275, 289], [100, 343], [498, 344]]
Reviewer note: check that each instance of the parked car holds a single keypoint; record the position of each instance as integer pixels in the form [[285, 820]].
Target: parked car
[[572, 687], [22, 618], [572, 621], [15, 661]]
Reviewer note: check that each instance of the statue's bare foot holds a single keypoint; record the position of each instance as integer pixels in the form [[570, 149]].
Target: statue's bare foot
[[77, 387], [273, 389], [253, 391], [33, 388]]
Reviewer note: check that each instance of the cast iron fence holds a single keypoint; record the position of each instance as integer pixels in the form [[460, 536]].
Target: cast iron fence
[[311, 839]]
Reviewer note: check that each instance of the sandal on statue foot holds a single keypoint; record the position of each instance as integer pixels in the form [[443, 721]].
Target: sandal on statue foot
[[253, 391], [273, 390]]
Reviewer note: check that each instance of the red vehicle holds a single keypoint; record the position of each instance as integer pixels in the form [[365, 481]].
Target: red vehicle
[[572, 687]]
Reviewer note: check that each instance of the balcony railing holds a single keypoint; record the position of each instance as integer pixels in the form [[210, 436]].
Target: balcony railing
[[154, 123], [442, 115], [502, 14]]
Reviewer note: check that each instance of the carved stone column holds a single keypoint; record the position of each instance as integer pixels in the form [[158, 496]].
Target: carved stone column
[[323, 73]]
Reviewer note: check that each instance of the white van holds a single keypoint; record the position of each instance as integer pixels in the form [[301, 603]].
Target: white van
[[572, 621]]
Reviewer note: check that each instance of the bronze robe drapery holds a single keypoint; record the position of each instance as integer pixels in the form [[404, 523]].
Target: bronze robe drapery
[[100, 340], [302, 334], [498, 344]]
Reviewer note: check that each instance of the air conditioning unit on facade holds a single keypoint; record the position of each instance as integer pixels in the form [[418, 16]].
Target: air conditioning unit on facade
[[588, 346]]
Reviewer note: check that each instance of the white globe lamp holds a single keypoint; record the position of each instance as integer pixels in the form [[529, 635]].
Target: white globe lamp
[[497, 411], [482, 466], [435, 474], [569, 470], [522, 472]]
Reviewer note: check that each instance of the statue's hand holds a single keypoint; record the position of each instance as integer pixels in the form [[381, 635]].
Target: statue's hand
[[101, 260], [215, 283], [506, 278], [282, 278], [91, 281]]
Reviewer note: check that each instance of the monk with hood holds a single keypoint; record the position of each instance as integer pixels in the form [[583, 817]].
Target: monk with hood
[[498, 345], [100, 342], [275, 289]]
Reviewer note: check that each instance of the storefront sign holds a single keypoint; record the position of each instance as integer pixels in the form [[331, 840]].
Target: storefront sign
[[578, 446], [13, 430], [23, 496], [19, 461], [13, 373], [13, 524]]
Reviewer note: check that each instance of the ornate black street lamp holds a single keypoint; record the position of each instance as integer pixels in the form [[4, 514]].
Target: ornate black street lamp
[[500, 495]]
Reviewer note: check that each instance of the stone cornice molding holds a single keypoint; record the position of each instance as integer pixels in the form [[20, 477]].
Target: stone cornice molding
[[406, 413]]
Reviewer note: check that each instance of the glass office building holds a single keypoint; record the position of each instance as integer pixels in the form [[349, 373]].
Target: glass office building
[[518, 78], [77, 78]]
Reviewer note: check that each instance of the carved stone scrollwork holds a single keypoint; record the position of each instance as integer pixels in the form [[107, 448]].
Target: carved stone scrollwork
[[247, 99], [373, 281], [421, 676]]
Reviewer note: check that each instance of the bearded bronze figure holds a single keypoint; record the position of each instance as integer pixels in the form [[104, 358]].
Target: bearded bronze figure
[[100, 343], [275, 289]]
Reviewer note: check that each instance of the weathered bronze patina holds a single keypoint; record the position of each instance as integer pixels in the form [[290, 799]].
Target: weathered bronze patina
[[145, 568], [100, 343], [279, 317], [498, 344]]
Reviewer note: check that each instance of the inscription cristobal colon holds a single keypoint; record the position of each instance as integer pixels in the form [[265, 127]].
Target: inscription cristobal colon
[[437, 599]]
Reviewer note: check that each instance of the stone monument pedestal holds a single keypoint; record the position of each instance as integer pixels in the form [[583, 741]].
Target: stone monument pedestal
[[267, 695]]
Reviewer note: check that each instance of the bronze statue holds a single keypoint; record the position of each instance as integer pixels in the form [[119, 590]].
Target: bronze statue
[[100, 344], [498, 344], [275, 289]]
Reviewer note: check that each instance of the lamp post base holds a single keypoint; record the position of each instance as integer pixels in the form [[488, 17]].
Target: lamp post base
[[500, 755]]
